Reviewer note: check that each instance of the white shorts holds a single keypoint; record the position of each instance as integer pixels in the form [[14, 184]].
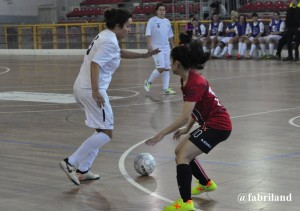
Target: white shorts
[[96, 117], [226, 40], [162, 59], [274, 37], [219, 37]]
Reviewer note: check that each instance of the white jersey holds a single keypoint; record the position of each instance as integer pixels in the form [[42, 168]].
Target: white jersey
[[105, 51], [160, 31]]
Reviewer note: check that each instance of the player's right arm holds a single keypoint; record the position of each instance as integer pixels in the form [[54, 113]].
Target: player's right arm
[[148, 35], [181, 120], [95, 68]]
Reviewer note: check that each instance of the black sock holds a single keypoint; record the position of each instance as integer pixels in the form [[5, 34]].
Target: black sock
[[184, 180], [198, 172], [81, 172]]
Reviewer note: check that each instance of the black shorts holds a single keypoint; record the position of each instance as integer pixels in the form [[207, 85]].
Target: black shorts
[[206, 138]]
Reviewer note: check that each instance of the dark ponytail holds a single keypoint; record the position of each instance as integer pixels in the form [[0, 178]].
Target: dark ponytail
[[190, 56]]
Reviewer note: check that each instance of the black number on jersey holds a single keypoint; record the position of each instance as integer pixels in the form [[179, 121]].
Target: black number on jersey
[[91, 45]]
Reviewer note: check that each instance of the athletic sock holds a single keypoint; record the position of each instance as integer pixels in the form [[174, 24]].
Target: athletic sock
[[230, 49], [244, 48], [184, 180], [224, 50], [217, 51], [155, 74], [198, 172], [271, 48], [86, 153], [253, 47], [166, 79], [263, 49], [240, 48]]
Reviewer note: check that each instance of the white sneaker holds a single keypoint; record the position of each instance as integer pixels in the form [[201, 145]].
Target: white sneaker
[[147, 85], [87, 176], [168, 91], [70, 171]]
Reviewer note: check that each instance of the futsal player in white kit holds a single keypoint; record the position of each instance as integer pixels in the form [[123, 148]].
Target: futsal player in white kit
[[100, 62], [159, 34]]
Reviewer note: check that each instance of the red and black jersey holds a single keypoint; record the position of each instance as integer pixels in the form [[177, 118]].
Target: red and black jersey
[[208, 108]]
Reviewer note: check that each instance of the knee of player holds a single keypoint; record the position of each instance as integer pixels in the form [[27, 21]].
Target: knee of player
[[182, 157], [109, 133]]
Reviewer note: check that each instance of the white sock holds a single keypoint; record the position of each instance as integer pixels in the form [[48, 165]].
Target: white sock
[[224, 50], [244, 49], [87, 151], [253, 47], [240, 48], [155, 74], [212, 51], [87, 162], [271, 48], [217, 50], [230, 49], [166, 79], [263, 49], [205, 49]]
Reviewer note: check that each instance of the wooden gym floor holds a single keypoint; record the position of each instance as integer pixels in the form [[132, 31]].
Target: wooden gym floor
[[41, 125]]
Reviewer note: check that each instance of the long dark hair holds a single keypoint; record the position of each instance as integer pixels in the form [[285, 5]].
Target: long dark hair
[[190, 56], [116, 16]]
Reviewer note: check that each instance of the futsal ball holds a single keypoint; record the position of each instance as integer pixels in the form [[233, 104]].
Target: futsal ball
[[144, 164]]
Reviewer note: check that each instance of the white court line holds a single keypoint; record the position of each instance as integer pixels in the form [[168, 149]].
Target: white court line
[[6, 70], [291, 121], [125, 154]]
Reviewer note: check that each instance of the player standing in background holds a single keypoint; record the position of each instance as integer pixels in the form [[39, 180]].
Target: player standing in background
[[100, 62], [200, 105], [159, 34]]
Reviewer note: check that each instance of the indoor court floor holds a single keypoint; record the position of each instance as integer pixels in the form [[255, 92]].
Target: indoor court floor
[[255, 169]]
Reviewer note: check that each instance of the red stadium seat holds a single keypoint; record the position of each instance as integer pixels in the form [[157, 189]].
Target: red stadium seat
[[181, 9], [168, 8], [248, 7], [280, 6], [196, 8], [148, 10], [269, 6], [258, 6], [191, 9], [138, 10]]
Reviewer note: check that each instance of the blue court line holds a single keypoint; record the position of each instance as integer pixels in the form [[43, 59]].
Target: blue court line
[[239, 163]]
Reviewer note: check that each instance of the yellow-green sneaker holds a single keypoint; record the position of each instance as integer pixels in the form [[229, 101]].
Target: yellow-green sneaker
[[179, 205], [168, 91], [198, 189], [147, 85]]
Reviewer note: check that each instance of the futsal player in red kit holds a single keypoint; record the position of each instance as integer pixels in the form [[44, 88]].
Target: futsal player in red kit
[[200, 105]]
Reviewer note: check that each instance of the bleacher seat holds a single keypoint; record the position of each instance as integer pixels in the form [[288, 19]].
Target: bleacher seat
[[248, 7], [259, 6], [138, 10], [181, 9], [269, 6], [148, 10], [280, 6], [196, 8], [191, 9]]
